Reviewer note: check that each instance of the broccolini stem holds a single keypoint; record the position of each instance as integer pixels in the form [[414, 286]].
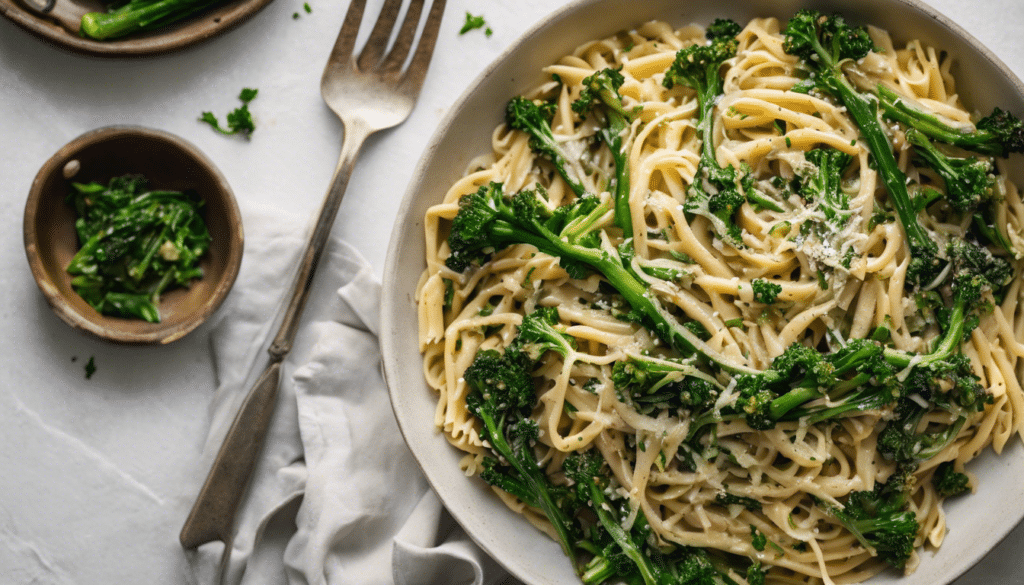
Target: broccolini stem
[[533, 476], [949, 342], [136, 16], [619, 535], [898, 109], [864, 114], [794, 398], [617, 125], [598, 570], [630, 287], [623, 215]]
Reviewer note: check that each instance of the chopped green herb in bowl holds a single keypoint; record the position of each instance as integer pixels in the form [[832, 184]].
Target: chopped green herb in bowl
[[131, 259], [135, 244]]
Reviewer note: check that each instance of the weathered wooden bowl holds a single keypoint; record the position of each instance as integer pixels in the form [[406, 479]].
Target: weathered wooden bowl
[[169, 163]]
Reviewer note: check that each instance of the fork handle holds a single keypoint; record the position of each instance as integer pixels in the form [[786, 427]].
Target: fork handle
[[356, 134], [213, 513]]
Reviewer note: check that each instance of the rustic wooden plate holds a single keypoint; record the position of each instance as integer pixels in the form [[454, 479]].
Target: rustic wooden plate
[[169, 163], [61, 28]]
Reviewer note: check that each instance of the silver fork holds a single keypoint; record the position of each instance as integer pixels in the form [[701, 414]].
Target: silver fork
[[369, 92]]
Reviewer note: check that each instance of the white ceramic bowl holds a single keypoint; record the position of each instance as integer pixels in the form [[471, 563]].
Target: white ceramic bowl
[[976, 522]]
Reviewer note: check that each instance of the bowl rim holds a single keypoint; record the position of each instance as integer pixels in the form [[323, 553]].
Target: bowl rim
[[393, 296], [55, 299]]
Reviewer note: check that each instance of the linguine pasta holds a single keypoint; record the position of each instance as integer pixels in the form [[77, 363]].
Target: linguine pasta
[[832, 285]]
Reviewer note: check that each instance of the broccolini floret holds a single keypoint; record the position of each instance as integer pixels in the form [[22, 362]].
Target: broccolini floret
[[539, 333], [534, 119], [949, 482], [795, 376], [901, 441], [650, 383], [968, 181], [823, 187], [881, 520]]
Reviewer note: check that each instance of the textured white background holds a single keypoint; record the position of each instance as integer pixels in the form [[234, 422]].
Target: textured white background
[[95, 466]]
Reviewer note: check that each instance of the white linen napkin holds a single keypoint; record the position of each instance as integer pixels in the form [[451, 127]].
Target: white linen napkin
[[337, 498]]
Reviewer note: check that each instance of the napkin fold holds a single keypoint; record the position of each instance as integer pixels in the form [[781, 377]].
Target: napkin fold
[[337, 497]]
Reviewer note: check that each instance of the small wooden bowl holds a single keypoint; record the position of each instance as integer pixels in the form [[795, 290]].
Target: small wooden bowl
[[169, 163]]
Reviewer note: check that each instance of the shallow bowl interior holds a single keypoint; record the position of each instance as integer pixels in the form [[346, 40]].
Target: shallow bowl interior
[[976, 523], [169, 163]]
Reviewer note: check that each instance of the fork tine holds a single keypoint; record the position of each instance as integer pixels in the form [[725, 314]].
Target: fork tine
[[378, 39], [403, 42], [421, 58], [341, 53]]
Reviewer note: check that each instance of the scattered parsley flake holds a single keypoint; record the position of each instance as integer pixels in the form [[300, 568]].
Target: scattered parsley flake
[[90, 367], [248, 94], [239, 120], [449, 293], [473, 23]]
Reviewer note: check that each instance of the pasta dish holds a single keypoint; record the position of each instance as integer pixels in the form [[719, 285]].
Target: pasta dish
[[732, 304]]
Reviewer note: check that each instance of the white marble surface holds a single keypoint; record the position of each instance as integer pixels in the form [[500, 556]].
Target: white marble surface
[[91, 489]]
